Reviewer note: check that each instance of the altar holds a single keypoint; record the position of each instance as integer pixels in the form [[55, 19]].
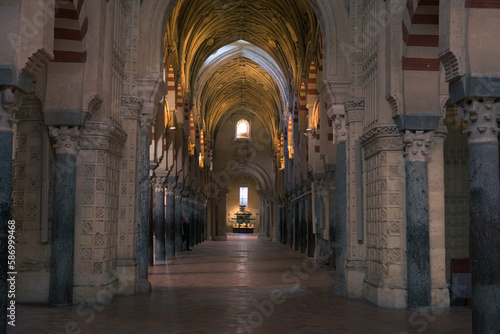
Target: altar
[[243, 222]]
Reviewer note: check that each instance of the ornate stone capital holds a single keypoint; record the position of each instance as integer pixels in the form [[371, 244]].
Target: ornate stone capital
[[66, 139], [146, 121], [340, 124], [481, 117], [131, 107], [159, 181], [98, 135], [9, 104], [417, 145], [355, 110]]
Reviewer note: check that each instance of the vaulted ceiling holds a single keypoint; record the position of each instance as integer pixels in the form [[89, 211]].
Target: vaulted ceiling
[[234, 55]]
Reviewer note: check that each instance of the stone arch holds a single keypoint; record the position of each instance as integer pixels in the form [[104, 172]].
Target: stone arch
[[334, 23], [252, 169]]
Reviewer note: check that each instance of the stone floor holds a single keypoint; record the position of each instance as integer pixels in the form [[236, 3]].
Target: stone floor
[[238, 286]]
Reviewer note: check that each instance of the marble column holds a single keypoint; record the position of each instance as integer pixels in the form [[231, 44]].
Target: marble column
[[178, 218], [192, 220], [310, 231], [291, 209], [482, 117], [417, 219], [143, 203], [159, 218], [63, 225], [341, 232], [303, 226], [9, 103], [170, 221], [221, 215]]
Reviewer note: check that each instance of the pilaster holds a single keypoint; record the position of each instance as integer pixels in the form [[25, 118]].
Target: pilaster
[[170, 213], [159, 217], [126, 261], [355, 270]]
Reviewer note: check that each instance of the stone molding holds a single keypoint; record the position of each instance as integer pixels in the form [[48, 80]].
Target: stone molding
[[482, 119], [355, 116], [9, 104], [382, 138], [131, 107], [354, 104], [66, 139], [98, 135], [417, 145]]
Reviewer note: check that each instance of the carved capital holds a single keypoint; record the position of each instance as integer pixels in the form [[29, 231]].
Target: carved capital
[[481, 117], [146, 121], [417, 145], [340, 123], [159, 182], [66, 139], [131, 107], [9, 104]]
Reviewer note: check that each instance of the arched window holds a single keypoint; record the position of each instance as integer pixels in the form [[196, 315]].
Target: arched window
[[243, 129]]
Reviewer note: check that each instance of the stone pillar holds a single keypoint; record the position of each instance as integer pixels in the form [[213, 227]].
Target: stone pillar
[[63, 226], [159, 218], [143, 203], [437, 228], [9, 103], [192, 220], [310, 231], [126, 262], [482, 117], [417, 219], [178, 218], [341, 233], [303, 226], [291, 239], [356, 245], [221, 215], [170, 218]]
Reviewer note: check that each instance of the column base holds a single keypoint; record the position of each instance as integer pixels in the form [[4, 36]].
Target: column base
[[392, 298], [143, 286], [222, 237], [263, 237], [127, 277], [339, 289], [440, 298], [354, 276], [95, 289], [33, 287]]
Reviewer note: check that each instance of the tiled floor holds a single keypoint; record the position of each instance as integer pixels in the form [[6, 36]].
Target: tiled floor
[[238, 286]]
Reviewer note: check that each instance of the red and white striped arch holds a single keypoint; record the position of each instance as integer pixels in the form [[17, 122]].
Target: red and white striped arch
[[421, 35], [70, 31]]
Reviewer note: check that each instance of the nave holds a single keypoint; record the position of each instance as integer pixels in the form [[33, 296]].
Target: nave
[[229, 287]]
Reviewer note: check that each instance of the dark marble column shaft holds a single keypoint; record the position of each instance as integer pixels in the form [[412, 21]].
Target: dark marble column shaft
[[143, 209], [192, 221], [5, 192], [292, 225], [178, 218], [303, 226], [341, 220], [170, 223], [482, 119], [280, 224], [159, 219], [417, 220], [311, 242], [63, 225]]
